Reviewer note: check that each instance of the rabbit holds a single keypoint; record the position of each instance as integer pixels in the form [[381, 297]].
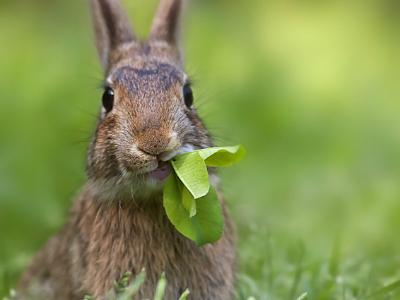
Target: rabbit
[[118, 222]]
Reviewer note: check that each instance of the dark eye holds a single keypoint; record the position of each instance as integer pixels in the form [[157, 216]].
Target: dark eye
[[188, 96], [108, 99]]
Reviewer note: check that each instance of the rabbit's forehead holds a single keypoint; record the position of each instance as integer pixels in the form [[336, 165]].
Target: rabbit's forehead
[[145, 81]]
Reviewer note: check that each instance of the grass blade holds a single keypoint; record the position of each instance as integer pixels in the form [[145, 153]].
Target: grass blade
[[134, 287], [303, 297], [160, 287], [385, 290], [184, 295]]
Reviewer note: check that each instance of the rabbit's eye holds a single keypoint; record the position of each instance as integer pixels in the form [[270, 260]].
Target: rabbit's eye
[[108, 99], [188, 96]]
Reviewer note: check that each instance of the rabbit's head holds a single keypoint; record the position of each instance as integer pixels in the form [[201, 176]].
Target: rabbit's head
[[147, 114]]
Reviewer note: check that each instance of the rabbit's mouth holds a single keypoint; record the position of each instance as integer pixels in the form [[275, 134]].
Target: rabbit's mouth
[[162, 171], [164, 167]]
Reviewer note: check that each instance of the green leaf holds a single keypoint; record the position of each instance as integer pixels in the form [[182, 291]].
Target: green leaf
[[189, 190], [177, 213], [189, 202], [192, 171], [209, 215], [222, 156], [206, 226]]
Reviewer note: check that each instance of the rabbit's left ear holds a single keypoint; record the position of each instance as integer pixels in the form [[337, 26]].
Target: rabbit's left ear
[[165, 27], [112, 28]]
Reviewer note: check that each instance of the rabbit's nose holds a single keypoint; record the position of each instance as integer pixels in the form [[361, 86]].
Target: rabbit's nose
[[153, 141]]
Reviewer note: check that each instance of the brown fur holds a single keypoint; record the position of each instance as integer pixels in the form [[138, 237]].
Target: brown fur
[[118, 223], [102, 240]]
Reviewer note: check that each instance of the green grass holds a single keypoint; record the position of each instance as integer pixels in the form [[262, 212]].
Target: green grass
[[276, 269], [272, 268], [311, 89]]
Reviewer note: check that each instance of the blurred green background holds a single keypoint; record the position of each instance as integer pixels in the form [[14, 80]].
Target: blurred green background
[[310, 88]]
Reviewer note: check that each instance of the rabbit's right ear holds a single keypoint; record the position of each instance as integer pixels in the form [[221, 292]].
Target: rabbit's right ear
[[112, 29]]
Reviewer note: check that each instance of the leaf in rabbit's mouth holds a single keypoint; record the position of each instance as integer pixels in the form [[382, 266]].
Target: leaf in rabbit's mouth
[[191, 203]]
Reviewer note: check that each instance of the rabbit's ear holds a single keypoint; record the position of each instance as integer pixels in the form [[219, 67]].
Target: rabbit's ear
[[165, 27], [112, 29]]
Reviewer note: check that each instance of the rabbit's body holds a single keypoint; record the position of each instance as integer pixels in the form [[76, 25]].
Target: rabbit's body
[[118, 223], [103, 240]]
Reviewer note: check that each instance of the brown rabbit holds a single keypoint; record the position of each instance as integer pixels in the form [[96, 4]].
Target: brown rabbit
[[118, 223]]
